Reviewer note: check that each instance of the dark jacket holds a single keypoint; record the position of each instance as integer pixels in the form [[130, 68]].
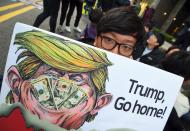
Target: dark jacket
[[183, 39], [139, 49], [173, 122], [106, 4], [153, 58]]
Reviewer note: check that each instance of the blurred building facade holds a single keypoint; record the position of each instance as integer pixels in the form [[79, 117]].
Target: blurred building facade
[[171, 15]]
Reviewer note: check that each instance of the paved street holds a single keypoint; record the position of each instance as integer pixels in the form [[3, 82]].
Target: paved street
[[12, 12]]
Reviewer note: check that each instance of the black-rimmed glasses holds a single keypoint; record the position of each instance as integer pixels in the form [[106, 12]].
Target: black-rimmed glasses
[[109, 44]]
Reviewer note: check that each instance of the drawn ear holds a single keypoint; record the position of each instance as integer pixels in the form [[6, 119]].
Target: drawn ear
[[102, 101], [14, 80]]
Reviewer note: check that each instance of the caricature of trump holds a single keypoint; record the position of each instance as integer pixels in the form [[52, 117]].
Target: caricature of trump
[[58, 80]]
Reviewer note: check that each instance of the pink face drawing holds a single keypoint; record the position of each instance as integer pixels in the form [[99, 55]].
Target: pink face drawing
[[63, 98]]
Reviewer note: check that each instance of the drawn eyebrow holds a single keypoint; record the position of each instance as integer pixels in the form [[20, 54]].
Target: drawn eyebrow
[[76, 75], [56, 71]]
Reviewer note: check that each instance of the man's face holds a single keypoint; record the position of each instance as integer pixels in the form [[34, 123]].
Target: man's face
[[60, 97], [152, 41], [116, 43]]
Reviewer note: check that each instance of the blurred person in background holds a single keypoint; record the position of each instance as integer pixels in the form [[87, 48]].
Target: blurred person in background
[[141, 45], [171, 50], [78, 4], [148, 14], [89, 5], [106, 5], [89, 33], [50, 8], [64, 7], [151, 54], [183, 37], [120, 3], [178, 63]]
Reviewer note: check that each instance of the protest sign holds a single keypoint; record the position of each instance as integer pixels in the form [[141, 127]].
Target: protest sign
[[71, 85]]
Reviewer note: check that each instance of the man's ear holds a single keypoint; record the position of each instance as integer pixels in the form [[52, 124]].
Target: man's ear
[[97, 42], [101, 102], [14, 80]]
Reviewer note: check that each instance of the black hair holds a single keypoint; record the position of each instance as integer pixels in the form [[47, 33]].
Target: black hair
[[160, 38], [172, 48], [122, 21], [95, 15], [150, 25], [120, 3], [178, 63]]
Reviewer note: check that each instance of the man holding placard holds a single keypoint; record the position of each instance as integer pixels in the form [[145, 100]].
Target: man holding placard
[[63, 81], [118, 31]]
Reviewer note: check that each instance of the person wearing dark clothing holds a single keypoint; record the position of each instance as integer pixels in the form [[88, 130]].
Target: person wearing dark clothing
[[50, 8], [153, 58], [120, 3], [64, 7], [171, 50], [141, 45], [89, 33], [151, 53], [186, 120], [148, 27], [89, 5], [179, 63], [106, 4], [174, 123], [148, 14], [183, 37], [78, 4]]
